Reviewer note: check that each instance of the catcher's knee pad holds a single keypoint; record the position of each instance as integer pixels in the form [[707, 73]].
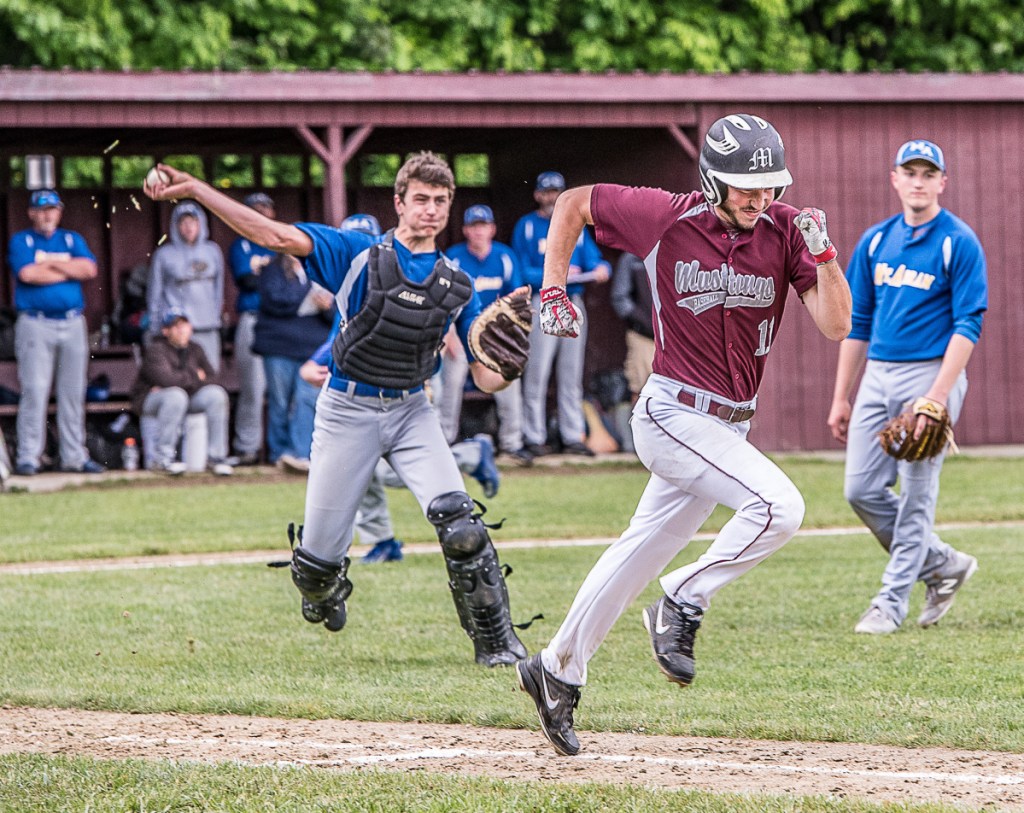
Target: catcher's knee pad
[[461, 532], [475, 579], [324, 587]]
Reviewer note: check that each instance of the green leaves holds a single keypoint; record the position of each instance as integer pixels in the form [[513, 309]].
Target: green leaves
[[704, 36]]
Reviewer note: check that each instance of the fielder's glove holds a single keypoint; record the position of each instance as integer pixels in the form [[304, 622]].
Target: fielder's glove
[[558, 316], [811, 223], [500, 336], [897, 438]]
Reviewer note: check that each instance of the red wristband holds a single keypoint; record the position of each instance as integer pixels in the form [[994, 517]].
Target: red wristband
[[827, 255]]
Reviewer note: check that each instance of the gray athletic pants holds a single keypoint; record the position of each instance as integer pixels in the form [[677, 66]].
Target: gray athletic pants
[[509, 403], [252, 388], [902, 523], [51, 351], [566, 356], [170, 405], [350, 435]]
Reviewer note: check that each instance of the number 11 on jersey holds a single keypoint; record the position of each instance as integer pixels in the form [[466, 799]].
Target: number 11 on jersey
[[766, 330]]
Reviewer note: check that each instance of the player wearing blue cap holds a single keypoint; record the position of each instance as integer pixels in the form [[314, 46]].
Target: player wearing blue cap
[[919, 293], [494, 268], [529, 240], [397, 296], [51, 340]]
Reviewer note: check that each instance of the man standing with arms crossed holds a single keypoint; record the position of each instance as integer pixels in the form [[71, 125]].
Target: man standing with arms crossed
[[50, 338], [396, 298], [919, 293], [720, 263]]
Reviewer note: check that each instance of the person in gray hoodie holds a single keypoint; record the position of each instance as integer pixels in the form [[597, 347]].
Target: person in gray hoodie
[[187, 272]]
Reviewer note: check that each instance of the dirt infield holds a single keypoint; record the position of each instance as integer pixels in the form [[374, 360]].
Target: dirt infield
[[971, 779]]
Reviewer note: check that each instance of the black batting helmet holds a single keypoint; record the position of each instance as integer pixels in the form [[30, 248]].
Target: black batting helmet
[[744, 152]]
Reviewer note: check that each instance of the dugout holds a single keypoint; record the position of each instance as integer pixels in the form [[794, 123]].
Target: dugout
[[322, 144]]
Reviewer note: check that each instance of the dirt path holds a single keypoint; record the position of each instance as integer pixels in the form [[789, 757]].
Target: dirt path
[[972, 779]]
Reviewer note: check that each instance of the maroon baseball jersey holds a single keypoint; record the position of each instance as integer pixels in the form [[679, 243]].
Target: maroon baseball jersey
[[718, 301]]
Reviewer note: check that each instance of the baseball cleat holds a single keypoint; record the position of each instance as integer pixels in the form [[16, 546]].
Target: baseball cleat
[[555, 702], [387, 550], [486, 472], [673, 628], [939, 594], [875, 622]]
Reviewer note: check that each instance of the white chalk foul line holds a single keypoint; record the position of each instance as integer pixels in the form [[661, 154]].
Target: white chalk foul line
[[441, 754], [262, 557]]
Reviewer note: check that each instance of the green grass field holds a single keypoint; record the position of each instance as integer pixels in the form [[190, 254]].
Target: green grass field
[[777, 658]]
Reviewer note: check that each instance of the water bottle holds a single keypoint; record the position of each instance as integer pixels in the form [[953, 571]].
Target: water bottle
[[130, 455]]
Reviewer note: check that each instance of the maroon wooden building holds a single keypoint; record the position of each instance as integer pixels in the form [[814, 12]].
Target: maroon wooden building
[[840, 131]]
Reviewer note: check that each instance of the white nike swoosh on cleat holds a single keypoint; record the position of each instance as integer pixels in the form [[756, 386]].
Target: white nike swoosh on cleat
[[659, 626], [548, 701]]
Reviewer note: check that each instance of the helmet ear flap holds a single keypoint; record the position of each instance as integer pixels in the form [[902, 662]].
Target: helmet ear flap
[[714, 190], [779, 191]]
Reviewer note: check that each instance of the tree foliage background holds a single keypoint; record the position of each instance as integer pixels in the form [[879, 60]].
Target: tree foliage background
[[705, 36]]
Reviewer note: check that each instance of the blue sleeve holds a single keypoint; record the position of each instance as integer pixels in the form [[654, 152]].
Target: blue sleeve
[[969, 283], [464, 320], [333, 252], [322, 355], [862, 288], [80, 248], [525, 251], [513, 276], [19, 253], [238, 257]]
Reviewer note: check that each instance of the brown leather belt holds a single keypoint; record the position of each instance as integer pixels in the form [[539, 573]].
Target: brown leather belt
[[727, 412]]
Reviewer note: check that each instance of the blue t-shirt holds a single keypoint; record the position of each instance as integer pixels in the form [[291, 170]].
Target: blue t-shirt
[[495, 275], [529, 241], [28, 247], [246, 257], [915, 287], [338, 262]]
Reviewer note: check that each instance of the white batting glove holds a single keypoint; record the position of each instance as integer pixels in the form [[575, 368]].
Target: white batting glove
[[558, 316], [811, 223]]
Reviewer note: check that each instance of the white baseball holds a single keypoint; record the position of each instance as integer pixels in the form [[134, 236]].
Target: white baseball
[[157, 176]]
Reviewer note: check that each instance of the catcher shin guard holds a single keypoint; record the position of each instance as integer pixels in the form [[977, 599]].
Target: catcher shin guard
[[475, 579], [324, 587]]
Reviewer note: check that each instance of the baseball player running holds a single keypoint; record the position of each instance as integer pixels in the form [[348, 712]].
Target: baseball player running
[[396, 297], [719, 262], [919, 293]]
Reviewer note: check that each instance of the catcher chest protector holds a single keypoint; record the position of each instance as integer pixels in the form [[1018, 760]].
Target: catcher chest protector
[[475, 578], [393, 340]]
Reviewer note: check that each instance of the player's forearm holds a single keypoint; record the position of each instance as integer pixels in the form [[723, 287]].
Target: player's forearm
[[834, 304], [250, 224], [852, 354], [487, 380], [572, 213], [78, 268], [40, 274], [954, 361]]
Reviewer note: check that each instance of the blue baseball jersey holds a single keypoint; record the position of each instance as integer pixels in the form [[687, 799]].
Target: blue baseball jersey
[[529, 240], [338, 263], [914, 287], [29, 247], [246, 257], [495, 275]]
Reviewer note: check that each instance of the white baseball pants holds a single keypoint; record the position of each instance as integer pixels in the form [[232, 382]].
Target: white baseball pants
[[696, 461]]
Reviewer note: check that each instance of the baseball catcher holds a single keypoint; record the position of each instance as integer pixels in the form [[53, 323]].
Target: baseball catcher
[[907, 437], [500, 336]]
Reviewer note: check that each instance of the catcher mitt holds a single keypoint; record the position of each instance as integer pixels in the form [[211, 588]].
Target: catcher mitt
[[500, 336], [897, 438]]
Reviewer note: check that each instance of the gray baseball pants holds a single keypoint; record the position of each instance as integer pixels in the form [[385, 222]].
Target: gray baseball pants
[[252, 388], [51, 351], [902, 523], [170, 405], [509, 403], [350, 435], [566, 356]]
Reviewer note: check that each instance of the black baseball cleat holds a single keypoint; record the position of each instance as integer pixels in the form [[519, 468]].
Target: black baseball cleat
[[555, 702], [673, 627]]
